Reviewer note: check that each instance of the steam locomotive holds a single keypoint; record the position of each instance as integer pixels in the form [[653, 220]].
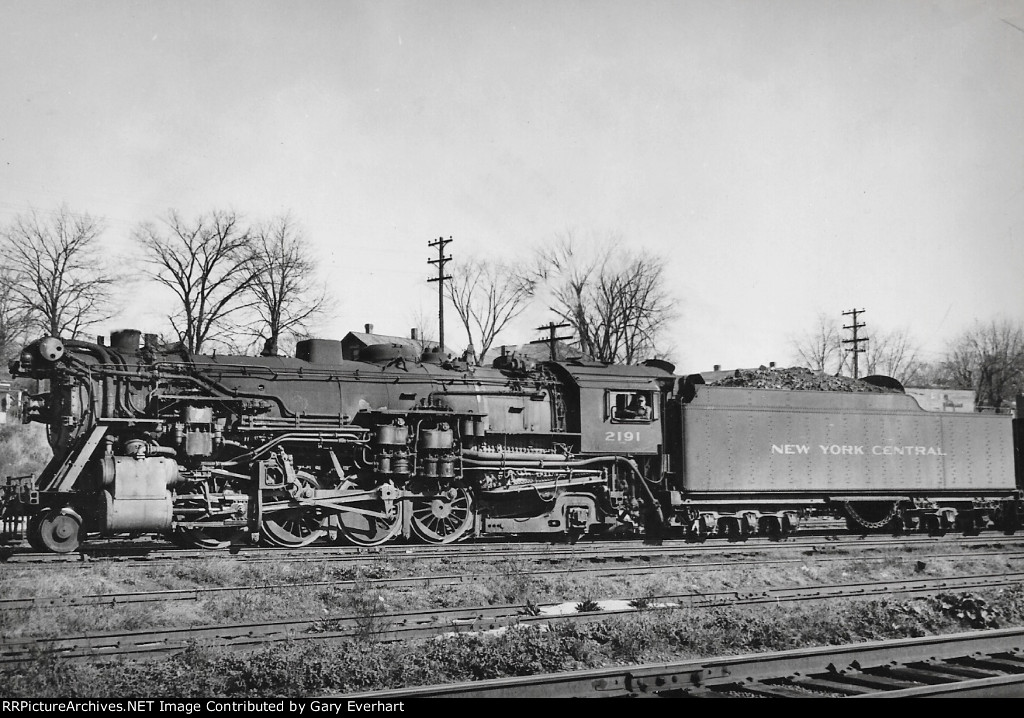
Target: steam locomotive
[[216, 450]]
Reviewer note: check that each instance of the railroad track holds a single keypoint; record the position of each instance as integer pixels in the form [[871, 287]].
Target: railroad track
[[150, 550], [197, 594], [977, 664], [423, 624], [553, 552]]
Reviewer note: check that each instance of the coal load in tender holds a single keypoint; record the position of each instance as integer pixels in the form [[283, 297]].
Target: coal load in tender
[[795, 378]]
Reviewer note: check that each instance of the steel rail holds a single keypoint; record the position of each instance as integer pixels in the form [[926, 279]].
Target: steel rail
[[149, 557], [422, 624], [987, 663], [196, 594]]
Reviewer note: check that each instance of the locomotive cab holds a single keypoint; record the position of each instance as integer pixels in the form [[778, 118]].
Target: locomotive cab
[[620, 407]]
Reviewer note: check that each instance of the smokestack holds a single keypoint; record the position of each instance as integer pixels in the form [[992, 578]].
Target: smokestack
[[413, 334], [369, 328]]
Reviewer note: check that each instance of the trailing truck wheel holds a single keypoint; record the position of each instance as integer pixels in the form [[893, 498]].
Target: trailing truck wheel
[[58, 531]]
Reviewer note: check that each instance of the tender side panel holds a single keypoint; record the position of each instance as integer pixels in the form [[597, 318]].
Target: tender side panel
[[980, 450], [763, 441]]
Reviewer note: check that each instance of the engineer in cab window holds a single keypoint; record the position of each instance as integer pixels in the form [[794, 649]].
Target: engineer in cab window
[[638, 409]]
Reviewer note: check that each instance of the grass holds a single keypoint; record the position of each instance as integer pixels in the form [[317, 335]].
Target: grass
[[360, 664], [507, 581]]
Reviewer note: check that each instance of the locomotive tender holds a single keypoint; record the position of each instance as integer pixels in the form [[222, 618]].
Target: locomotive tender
[[215, 450]]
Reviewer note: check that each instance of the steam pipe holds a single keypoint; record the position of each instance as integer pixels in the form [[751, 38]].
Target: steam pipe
[[104, 358]]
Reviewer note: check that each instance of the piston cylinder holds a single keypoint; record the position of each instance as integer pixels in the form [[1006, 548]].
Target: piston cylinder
[[144, 515]]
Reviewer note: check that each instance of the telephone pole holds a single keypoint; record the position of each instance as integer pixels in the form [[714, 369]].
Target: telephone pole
[[550, 327], [441, 277], [856, 340]]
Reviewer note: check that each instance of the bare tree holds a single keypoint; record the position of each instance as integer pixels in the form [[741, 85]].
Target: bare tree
[[989, 358], [934, 374], [284, 296], [59, 282], [487, 295], [424, 327], [895, 354], [14, 319], [821, 348], [208, 264], [614, 299]]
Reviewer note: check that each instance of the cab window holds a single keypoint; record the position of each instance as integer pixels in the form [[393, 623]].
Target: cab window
[[631, 407]]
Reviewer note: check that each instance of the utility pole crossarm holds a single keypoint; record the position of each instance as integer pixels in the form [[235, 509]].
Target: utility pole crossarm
[[550, 341], [441, 278]]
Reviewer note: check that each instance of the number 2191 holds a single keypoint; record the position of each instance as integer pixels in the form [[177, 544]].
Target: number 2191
[[622, 436]]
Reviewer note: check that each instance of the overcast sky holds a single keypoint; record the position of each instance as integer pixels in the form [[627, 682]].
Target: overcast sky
[[788, 157]]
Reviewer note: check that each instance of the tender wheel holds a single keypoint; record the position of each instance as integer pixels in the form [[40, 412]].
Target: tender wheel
[[372, 521], [771, 527], [291, 528], [445, 516], [58, 532], [734, 531], [1006, 518]]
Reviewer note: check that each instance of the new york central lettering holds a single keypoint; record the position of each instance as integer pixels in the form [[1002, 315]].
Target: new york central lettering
[[858, 450], [837, 449], [790, 448]]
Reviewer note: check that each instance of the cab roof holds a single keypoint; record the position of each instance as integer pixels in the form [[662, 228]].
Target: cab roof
[[591, 374]]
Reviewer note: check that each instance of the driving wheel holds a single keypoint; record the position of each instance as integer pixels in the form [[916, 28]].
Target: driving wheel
[[370, 521], [444, 515]]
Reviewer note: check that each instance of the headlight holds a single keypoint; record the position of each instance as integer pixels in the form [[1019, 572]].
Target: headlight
[[51, 349]]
